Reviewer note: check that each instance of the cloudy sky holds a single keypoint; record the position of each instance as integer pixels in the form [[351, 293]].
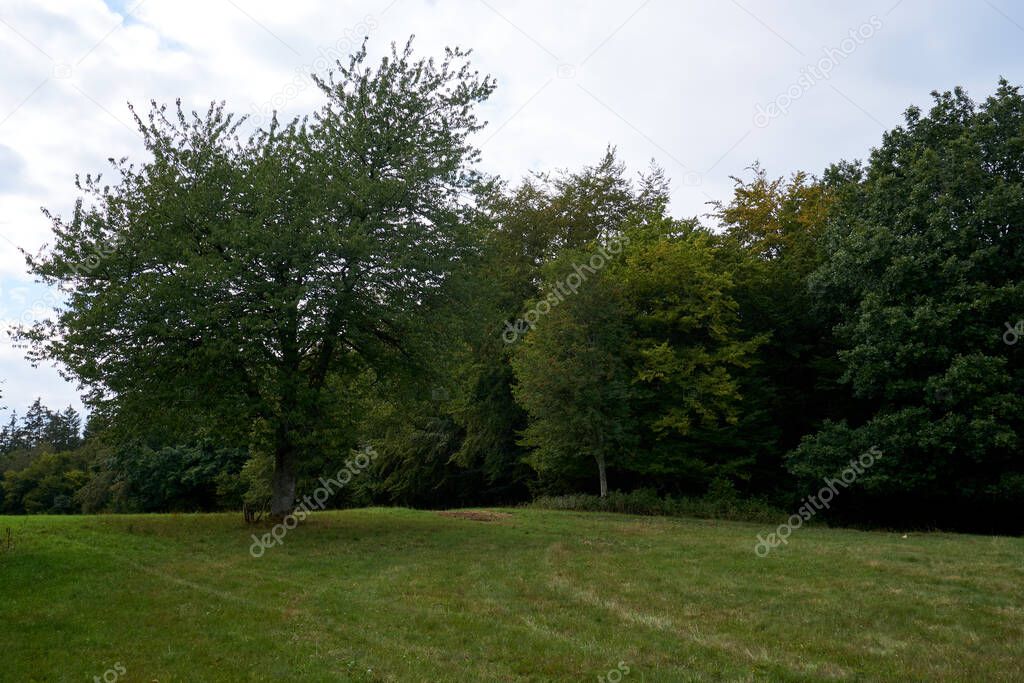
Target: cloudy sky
[[703, 87]]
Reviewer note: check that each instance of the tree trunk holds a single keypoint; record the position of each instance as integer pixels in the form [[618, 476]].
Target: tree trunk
[[603, 475], [282, 497]]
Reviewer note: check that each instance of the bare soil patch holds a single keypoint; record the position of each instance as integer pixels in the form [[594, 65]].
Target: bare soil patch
[[476, 515]]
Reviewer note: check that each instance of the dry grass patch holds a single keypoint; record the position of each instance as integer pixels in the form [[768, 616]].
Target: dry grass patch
[[476, 515]]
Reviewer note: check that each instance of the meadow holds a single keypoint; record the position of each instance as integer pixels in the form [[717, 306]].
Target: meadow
[[391, 594]]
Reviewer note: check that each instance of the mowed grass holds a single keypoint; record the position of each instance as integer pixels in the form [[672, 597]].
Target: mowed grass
[[403, 595]]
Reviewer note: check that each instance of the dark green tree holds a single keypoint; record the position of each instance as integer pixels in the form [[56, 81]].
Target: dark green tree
[[689, 350], [771, 242], [217, 288], [572, 376], [925, 268], [527, 227]]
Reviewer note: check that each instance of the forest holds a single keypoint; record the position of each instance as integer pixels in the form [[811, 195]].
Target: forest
[[245, 309]]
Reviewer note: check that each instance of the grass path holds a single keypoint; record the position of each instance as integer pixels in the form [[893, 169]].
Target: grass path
[[402, 595]]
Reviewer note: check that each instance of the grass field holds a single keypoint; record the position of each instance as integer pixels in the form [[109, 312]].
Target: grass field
[[402, 595]]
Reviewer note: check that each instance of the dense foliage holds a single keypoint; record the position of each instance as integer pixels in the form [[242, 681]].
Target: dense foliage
[[923, 269], [251, 280], [244, 313]]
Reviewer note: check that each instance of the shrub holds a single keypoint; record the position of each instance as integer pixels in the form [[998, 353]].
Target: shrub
[[714, 505]]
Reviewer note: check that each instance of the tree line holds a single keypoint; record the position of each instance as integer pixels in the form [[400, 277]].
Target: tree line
[[275, 300]]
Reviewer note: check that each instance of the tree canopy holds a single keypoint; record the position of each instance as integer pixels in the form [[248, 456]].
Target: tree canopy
[[247, 273], [244, 307], [923, 267]]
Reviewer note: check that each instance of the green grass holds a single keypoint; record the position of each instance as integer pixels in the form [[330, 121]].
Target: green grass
[[402, 595]]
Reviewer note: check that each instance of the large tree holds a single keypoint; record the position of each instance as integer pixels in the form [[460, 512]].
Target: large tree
[[571, 370], [770, 243], [633, 365], [690, 348], [228, 286], [924, 269], [528, 227]]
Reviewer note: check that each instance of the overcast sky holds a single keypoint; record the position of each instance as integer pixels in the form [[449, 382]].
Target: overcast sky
[[704, 88]]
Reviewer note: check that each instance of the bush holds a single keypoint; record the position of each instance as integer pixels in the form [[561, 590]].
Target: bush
[[46, 484], [716, 505]]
